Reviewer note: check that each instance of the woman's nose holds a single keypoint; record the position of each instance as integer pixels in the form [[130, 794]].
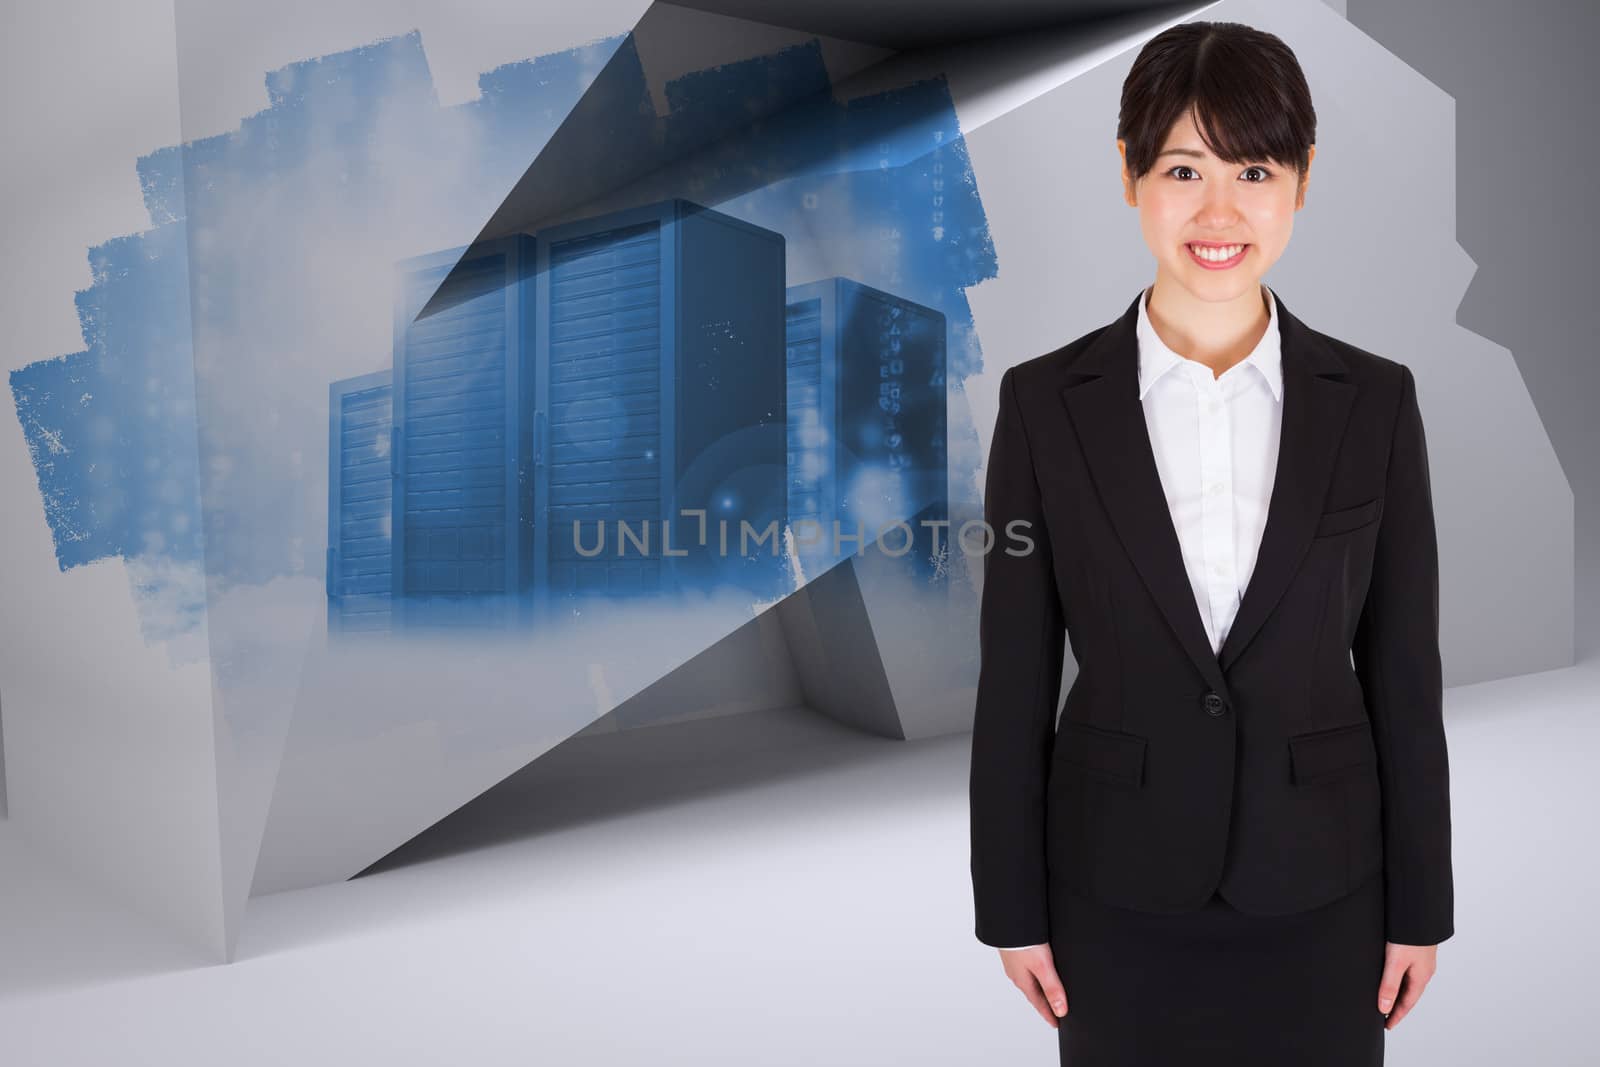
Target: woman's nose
[[1218, 213]]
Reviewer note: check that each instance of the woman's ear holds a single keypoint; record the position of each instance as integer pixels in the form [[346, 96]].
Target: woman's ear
[[1305, 178], [1129, 189]]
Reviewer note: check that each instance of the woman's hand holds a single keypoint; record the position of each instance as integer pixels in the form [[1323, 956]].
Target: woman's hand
[[1033, 970], [1413, 963]]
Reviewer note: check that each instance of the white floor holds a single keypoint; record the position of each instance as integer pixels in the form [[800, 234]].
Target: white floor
[[812, 911]]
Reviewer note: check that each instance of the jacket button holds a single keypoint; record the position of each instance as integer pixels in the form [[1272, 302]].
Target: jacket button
[[1214, 704]]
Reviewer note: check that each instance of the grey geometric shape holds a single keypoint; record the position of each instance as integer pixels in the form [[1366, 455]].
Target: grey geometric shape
[[1499, 492], [836, 654]]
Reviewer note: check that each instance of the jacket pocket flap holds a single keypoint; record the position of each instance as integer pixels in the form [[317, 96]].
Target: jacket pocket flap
[[1324, 753], [1346, 519], [1108, 754]]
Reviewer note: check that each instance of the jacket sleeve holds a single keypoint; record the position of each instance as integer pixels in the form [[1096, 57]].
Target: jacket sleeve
[[1396, 658], [1021, 640]]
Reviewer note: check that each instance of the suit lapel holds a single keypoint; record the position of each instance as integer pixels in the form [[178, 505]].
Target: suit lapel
[[1102, 401], [1316, 407]]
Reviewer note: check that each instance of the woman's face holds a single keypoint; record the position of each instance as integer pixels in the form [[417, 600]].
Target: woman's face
[[1190, 196]]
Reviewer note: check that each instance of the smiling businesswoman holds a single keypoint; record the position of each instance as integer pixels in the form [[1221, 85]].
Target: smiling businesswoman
[[1235, 848]]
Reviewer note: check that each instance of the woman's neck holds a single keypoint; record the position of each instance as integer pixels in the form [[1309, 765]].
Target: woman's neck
[[1219, 335]]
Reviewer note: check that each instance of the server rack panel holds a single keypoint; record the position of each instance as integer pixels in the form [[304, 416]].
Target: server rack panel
[[733, 398], [659, 387], [359, 488], [462, 397], [868, 420]]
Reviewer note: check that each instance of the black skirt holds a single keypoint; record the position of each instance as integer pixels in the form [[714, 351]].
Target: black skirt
[[1220, 987]]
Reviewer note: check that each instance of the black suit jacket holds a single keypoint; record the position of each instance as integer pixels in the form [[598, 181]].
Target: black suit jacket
[[1305, 757]]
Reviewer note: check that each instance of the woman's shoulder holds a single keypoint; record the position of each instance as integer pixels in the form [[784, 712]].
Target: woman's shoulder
[[1037, 368], [1379, 373], [1361, 360]]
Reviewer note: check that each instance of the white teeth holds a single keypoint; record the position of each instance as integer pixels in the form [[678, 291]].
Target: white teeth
[[1217, 255]]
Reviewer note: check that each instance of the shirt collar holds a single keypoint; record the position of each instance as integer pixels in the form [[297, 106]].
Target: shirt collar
[[1155, 358]]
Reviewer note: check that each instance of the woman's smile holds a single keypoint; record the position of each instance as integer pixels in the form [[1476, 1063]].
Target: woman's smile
[[1215, 256]]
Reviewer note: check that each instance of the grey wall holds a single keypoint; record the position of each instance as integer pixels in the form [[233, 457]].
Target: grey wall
[[1523, 77], [134, 737]]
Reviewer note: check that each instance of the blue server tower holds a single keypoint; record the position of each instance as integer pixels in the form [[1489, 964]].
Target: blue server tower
[[463, 346], [660, 389], [358, 575], [867, 422]]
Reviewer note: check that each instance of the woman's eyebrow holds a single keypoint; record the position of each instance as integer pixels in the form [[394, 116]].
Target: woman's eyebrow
[[1182, 152]]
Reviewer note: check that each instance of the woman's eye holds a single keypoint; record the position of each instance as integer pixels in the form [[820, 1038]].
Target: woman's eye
[[1263, 171]]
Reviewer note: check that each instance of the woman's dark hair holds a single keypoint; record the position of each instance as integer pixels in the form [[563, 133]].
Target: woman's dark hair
[[1245, 86]]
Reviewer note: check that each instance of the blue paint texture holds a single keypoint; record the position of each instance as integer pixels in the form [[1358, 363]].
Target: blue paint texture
[[193, 426], [111, 429]]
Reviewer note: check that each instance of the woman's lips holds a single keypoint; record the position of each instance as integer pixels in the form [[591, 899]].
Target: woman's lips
[[1216, 264]]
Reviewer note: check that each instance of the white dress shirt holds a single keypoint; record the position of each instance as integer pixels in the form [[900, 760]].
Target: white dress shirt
[[1215, 441]]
